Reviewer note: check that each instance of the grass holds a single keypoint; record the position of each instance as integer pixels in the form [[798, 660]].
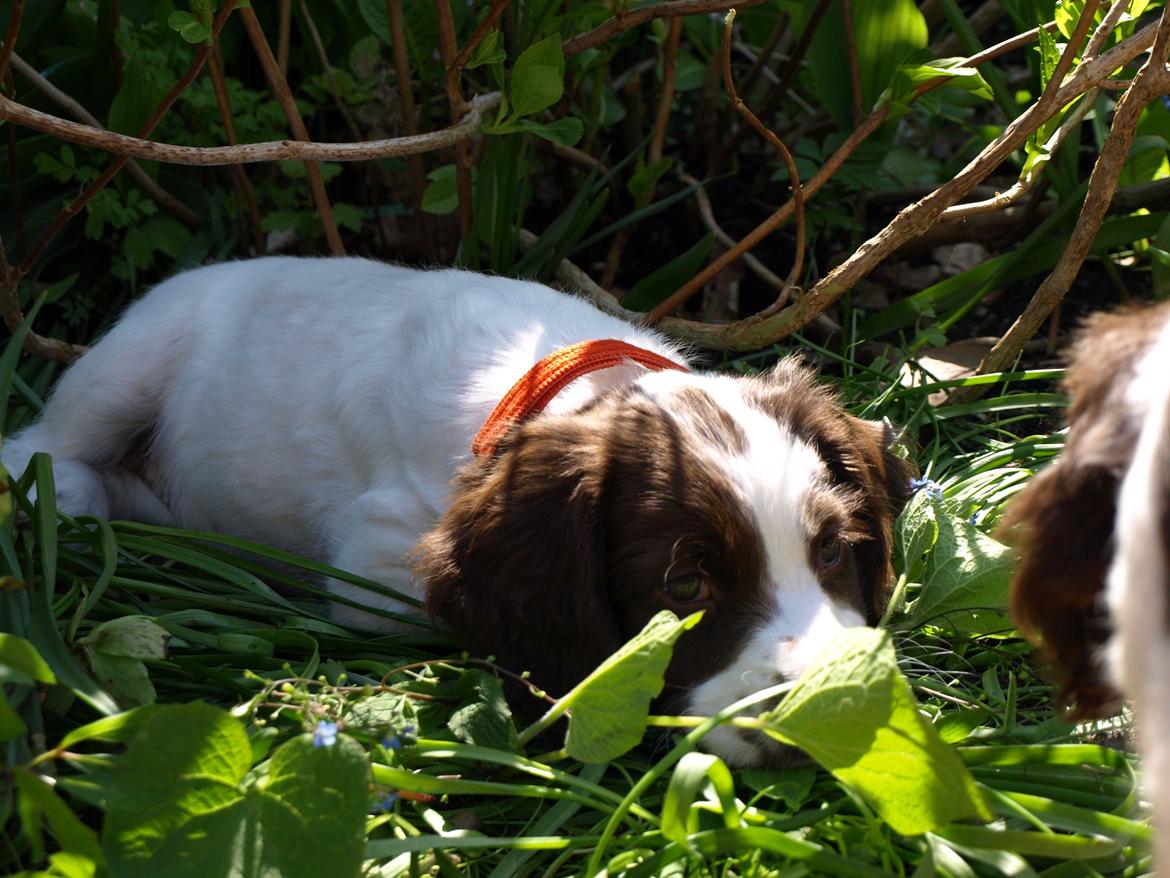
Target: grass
[[453, 793]]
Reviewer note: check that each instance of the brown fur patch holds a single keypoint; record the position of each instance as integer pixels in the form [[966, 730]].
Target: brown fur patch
[[1063, 521]]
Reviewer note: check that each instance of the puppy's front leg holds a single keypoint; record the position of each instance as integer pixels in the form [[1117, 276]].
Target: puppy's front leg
[[374, 540]]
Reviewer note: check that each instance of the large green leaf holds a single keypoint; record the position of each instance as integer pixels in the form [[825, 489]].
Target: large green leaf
[[609, 707], [179, 797], [967, 578], [885, 32], [538, 77], [854, 713]]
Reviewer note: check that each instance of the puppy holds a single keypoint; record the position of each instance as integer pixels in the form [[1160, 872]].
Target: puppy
[[329, 407], [1093, 585]]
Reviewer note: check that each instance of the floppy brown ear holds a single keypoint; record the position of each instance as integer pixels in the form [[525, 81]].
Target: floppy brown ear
[[516, 565], [1062, 523], [885, 478]]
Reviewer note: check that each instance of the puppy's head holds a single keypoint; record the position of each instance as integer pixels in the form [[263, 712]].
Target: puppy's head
[[757, 500], [1063, 522]]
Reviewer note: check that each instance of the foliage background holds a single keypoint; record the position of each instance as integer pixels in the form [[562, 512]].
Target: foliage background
[[628, 159]]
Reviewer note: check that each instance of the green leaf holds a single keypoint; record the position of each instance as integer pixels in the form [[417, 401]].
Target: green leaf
[[853, 712], [608, 709], [967, 579], [907, 78], [884, 33], [115, 651], [130, 636], [663, 281], [563, 132], [537, 80], [21, 663], [441, 195], [179, 797], [485, 720], [489, 51], [188, 26], [69, 831], [916, 532], [641, 184]]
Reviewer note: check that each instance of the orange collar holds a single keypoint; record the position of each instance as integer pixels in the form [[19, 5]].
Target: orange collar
[[540, 384]]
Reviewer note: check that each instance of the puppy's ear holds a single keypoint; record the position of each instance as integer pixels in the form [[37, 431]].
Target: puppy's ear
[[516, 565], [885, 478], [1062, 523]]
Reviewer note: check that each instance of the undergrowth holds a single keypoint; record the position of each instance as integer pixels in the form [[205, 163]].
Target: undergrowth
[[174, 707]]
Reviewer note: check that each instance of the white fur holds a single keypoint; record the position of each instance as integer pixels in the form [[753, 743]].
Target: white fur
[[322, 406], [773, 478], [1136, 590]]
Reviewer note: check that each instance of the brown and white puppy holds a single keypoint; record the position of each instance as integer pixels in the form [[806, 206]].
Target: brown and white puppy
[[1093, 584], [328, 407]]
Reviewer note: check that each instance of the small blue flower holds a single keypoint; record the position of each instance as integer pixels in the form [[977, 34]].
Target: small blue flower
[[396, 742], [933, 489], [325, 735], [386, 803]]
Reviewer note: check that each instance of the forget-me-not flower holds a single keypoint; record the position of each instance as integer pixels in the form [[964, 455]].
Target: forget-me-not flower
[[933, 489], [326, 734]]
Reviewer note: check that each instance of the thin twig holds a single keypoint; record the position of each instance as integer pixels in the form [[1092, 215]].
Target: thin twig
[[657, 145], [145, 182], [75, 206], [9, 282], [283, 35], [327, 69], [696, 283], [731, 146], [760, 326], [1150, 82], [273, 150], [284, 97], [1028, 180], [9, 46], [707, 215], [448, 45], [243, 186], [489, 21], [37, 345], [623, 21], [406, 93]]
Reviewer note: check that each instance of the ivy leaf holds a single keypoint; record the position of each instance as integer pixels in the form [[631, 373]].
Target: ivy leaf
[[854, 713], [907, 78], [538, 76], [916, 532], [19, 663], [180, 796], [608, 709]]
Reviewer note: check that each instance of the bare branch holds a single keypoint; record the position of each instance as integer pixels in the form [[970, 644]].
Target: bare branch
[[273, 150], [284, 97], [405, 92], [489, 21], [243, 186]]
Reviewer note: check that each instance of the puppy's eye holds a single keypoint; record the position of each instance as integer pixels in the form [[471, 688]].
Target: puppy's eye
[[687, 588], [829, 552]]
